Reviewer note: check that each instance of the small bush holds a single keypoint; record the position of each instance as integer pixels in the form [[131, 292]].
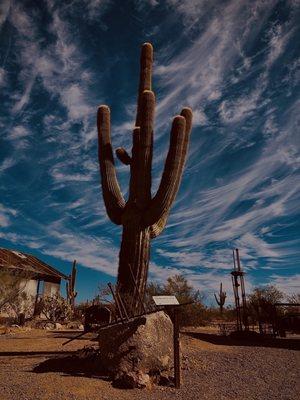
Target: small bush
[[56, 308], [189, 315]]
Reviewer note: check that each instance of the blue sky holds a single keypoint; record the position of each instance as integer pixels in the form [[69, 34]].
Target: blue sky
[[236, 63]]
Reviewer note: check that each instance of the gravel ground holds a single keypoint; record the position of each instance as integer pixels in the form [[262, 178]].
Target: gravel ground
[[212, 369]]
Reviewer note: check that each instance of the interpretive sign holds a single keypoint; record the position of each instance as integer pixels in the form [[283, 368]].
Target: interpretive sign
[[165, 300]]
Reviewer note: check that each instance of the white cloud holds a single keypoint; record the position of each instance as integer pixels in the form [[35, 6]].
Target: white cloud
[[258, 246], [85, 249], [18, 137], [23, 98], [287, 284], [210, 215], [237, 109], [199, 118], [73, 98], [96, 7], [2, 76], [192, 10], [219, 259], [67, 177], [207, 282], [278, 40], [4, 220], [18, 132], [270, 126], [56, 64], [64, 244], [4, 11], [199, 74], [5, 215], [7, 163], [233, 111]]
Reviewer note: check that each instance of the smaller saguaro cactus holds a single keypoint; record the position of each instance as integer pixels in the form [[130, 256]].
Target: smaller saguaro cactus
[[70, 286], [221, 300]]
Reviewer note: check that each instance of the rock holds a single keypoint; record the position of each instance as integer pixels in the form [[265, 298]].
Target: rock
[[138, 352], [166, 380], [75, 325], [58, 326], [132, 380], [48, 326]]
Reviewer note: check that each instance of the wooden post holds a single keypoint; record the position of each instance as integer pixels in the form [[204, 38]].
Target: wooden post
[[176, 348]]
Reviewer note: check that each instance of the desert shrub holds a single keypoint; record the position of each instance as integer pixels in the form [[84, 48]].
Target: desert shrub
[[14, 301], [22, 304], [189, 315], [55, 308], [294, 298], [261, 303], [79, 310]]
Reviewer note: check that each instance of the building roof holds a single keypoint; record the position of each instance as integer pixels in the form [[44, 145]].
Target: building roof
[[13, 259]]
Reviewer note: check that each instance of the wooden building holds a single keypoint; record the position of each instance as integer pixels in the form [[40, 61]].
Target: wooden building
[[40, 279]]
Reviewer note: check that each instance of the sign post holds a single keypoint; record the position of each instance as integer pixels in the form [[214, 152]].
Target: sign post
[[172, 302], [176, 348]]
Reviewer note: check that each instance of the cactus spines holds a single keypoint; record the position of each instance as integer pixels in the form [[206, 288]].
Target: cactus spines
[[70, 286], [221, 300], [142, 216]]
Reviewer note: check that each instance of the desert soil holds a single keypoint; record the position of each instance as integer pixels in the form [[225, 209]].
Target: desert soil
[[213, 368]]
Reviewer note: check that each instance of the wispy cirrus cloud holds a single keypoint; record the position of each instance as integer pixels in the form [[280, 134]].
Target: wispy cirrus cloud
[[5, 215], [234, 63], [278, 38], [65, 244], [287, 284], [4, 11], [207, 64]]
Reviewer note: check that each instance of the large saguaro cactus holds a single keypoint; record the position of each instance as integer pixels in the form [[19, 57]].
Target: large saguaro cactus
[[142, 216]]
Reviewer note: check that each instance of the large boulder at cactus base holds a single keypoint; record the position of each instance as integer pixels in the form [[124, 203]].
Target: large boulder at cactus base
[[138, 353]]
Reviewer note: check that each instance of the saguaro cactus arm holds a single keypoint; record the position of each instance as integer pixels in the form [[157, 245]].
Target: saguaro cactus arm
[[134, 164], [144, 149], [162, 201], [113, 198], [146, 62], [123, 156], [217, 300]]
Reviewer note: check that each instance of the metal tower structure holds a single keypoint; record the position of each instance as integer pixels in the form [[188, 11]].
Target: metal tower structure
[[238, 284]]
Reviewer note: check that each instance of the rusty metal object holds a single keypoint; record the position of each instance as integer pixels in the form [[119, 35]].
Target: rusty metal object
[[238, 284], [95, 316], [119, 309], [137, 290]]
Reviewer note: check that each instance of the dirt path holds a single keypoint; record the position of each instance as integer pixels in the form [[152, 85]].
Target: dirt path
[[213, 369]]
